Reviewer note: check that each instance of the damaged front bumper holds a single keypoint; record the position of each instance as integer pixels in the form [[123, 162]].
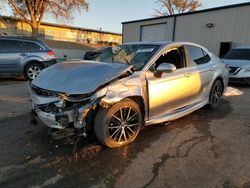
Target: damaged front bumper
[[50, 111], [57, 121]]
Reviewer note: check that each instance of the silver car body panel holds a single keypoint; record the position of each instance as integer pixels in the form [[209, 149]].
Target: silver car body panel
[[83, 77], [39, 100], [165, 98], [176, 113], [126, 87]]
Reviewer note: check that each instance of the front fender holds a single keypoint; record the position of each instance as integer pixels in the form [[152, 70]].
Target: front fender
[[127, 87], [132, 86], [118, 92]]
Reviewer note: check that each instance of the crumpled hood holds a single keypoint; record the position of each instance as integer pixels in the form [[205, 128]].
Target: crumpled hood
[[237, 63], [78, 77]]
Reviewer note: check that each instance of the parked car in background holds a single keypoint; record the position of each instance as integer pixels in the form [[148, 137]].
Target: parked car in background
[[238, 60], [129, 86], [24, 57]]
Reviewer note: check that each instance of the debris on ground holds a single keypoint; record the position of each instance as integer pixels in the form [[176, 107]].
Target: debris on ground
[[86, 151]]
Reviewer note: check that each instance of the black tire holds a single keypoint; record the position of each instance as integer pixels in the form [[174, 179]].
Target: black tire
[[216, 94], [37, 68], [119, 125]]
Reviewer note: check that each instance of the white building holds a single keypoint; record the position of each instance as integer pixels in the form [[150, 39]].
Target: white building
[[218, 29]]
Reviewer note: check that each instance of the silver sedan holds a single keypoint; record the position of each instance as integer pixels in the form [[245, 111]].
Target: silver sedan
[[129, 86]]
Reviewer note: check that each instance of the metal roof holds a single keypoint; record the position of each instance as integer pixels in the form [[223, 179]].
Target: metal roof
[[23, 38], [61, 26]]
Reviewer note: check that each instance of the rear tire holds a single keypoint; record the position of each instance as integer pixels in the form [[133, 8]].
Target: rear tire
[[216, 94], [118, 125], [32, 70]]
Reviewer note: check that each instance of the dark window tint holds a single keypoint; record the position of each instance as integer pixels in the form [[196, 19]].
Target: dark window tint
[[242, 54], [206, 57], [198, 55], [10, 45], [31, 46]]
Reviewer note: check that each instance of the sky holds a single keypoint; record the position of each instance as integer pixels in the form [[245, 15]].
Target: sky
[[109, 14]]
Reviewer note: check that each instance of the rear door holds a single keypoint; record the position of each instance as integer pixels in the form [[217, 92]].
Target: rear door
[[201, 63], [10, 56]]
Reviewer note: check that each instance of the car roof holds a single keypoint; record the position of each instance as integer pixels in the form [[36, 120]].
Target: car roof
[[242, 47], [151, 43], [30, 39], [166, 43]]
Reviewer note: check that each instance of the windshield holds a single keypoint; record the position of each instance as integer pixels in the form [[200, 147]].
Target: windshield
[[241, 54], [132, 54]]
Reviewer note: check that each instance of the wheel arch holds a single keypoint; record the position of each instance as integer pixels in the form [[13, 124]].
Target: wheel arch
[[139, 100], [211, 102], [31, 62], [222, 81], [136, 98]]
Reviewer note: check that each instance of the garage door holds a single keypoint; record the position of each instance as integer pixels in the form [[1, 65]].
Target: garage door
[[156, 32]]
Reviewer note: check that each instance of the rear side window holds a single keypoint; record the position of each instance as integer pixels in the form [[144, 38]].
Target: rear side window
[[31, 46], [10, 46], [198, 55], [241, 54]]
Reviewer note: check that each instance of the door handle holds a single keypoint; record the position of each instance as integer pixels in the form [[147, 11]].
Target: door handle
[[24, 54], [211, 68], [187, 74]]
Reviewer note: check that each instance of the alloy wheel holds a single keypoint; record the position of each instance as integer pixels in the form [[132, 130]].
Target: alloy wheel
[[217, 92], [33, 71], [124, 124]]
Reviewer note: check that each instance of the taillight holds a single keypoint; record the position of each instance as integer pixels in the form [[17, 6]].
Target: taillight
[[51, 53]]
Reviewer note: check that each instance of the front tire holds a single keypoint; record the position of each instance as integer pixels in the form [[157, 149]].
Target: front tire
[[216, 94], [32, 70], [118, 125]]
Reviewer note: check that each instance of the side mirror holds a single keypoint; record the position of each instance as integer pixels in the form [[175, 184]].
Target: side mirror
[[166, 67]]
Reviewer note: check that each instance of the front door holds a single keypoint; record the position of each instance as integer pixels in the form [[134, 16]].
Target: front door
[[171, 91]]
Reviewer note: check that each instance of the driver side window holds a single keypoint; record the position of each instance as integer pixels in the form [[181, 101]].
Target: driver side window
[[173, 56]]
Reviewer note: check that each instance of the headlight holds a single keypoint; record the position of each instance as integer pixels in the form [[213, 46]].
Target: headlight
[[61, 103], [101, 92], [247, 69]]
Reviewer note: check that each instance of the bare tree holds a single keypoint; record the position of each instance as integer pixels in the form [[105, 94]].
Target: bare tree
[[170, 7], [33, 11]]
